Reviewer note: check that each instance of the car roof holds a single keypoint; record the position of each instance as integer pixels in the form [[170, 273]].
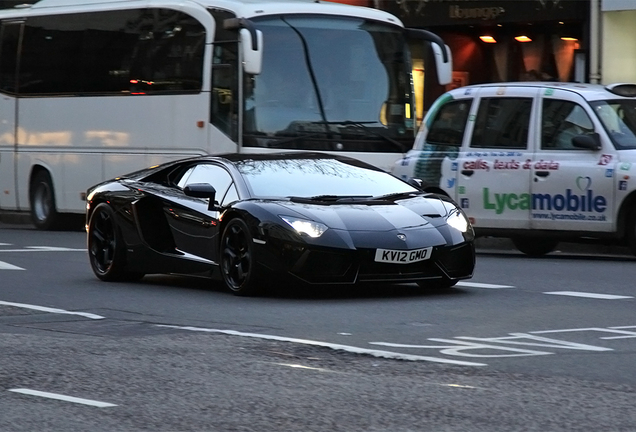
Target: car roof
[[590, 92]]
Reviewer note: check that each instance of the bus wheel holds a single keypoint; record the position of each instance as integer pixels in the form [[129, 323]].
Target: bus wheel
[[43, 212], [535, 247]]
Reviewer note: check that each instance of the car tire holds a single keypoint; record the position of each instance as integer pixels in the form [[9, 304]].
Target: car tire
[[238, 264], [106, 250], [44, 214], [535, 247], [631, 231]]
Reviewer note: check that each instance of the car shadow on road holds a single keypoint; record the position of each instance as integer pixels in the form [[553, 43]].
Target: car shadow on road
[[282, 289]]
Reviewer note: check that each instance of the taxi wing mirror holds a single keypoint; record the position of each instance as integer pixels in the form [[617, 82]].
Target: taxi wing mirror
[[588, 142], [202, 190]]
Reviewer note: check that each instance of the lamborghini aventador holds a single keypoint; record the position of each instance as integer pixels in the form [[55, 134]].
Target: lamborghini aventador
[[245, 219]]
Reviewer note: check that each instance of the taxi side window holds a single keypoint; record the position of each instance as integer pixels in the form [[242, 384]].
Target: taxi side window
[[560, 122], [449, 124], [502, 123]]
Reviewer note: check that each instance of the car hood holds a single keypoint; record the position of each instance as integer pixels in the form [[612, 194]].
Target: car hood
[[413, 212]]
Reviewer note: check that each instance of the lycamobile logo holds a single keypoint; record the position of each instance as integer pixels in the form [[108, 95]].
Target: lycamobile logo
[[585, 202]]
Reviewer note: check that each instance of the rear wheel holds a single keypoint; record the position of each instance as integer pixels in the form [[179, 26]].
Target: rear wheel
[[631, 231], [535, 247], [106, 248], [43, 210], [238, 264]]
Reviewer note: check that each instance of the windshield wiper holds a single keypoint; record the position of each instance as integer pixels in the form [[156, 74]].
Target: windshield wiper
[[275, 143], [330, 198], [397, 195], [362, 125]]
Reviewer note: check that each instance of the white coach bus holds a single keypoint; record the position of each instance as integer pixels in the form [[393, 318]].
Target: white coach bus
[[93, 89]]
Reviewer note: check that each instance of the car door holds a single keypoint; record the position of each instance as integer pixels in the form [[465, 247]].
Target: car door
[[493, 175], [194, 227], [572, 187]]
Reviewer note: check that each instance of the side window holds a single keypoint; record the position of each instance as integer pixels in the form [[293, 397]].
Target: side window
[[560, 122], [206, 173], [9, 53], [449, 124], [502, 123], [128, 52], [224, 103]]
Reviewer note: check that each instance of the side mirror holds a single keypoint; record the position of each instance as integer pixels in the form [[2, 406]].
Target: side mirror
[[589, 142], [444, 69], [202, 190], [416, 183], [252, 49]]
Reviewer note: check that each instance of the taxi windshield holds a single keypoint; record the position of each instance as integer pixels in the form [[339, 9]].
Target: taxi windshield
[[619, 120]]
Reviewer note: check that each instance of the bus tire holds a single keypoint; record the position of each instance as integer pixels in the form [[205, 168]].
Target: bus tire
[[44, 213]]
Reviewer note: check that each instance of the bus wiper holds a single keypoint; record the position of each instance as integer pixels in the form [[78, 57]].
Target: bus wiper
[[276, 143], [362, 125]]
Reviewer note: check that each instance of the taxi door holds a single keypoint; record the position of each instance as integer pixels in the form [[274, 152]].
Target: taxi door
[[572, 187], [493, 179]]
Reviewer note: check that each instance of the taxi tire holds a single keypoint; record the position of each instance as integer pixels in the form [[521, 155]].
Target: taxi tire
[[631, 231], [535, 247]]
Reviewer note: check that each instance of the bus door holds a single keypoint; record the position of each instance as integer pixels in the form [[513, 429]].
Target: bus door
[[9, 40]]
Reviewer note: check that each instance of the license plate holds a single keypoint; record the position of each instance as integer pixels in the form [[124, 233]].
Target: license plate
[[402, 256]]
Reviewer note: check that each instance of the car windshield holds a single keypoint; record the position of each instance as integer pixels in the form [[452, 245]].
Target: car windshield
[[309, 178], [330, 84], [619, 120]]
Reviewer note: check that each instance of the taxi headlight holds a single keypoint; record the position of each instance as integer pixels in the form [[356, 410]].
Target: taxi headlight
[[457, 220], [304, 226]]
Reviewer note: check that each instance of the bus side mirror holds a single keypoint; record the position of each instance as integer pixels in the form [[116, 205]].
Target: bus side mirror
[[252, 49], [444, 69]]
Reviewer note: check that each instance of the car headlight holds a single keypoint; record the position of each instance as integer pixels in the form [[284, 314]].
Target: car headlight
[[304, 226], [457, 220]]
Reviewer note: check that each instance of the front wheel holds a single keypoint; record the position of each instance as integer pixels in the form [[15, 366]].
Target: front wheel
[[43, 210], [535, 247], [107, 253], [238, 264], [631, 230]]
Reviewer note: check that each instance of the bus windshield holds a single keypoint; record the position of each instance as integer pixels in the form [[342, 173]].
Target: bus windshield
[[330, 83]]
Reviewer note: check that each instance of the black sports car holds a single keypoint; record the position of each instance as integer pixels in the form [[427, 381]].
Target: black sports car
[[313, 217]]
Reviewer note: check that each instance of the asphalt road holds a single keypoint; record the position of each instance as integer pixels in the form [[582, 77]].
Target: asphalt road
[[528, 344]]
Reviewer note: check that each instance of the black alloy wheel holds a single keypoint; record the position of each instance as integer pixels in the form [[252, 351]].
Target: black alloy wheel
[[238, 266], [106, 247]]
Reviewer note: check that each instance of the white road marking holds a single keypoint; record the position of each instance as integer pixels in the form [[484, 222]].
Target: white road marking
[[52, 310], [5, 244], [63, 398], [482, 285], [7, 266], [347, 348], [589, 295]]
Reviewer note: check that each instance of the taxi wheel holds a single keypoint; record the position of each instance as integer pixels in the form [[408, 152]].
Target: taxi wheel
[[631, 231], [535, 247]]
